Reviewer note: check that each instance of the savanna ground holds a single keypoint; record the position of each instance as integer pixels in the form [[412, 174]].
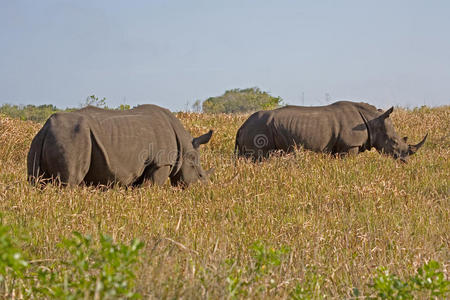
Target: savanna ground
[[324, 224]]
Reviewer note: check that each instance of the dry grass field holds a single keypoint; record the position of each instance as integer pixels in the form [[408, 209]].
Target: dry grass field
[[324, 224]]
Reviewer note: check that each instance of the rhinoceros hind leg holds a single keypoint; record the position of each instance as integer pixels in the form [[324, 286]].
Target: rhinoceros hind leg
[[66, 159]]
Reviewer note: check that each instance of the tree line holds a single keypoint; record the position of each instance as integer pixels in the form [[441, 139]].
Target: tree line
[[232, 101]]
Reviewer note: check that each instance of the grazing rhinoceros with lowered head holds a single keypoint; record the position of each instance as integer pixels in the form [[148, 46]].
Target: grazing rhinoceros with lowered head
[[339, 128], [102, 147]]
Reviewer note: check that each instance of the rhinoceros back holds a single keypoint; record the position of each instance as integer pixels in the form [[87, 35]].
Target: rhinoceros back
[[334, 128], [314, 129]]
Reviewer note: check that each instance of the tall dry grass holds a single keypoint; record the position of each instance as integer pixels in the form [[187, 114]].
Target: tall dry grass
[[340, 218]]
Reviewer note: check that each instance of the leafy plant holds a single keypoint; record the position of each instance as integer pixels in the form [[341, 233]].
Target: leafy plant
[[431, 279], [236, 284], [95, 101], [310, 287], [389, 286], [106, 272], [264, 259], [428, 282], [12, 262], [124, 107]]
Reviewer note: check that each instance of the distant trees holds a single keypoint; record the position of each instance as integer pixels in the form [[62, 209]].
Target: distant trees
[[29, 112], [232, 101], [42, 112], [197, 106], [240, 101]]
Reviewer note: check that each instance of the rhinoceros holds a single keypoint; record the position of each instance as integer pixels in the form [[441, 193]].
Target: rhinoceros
[[94, 146], [340, 128]]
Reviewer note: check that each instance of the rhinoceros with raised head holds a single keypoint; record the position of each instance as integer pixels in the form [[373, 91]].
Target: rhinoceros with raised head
[[339, 128], [102, 147]]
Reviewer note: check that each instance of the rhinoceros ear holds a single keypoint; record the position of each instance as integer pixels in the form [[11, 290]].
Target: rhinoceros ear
[[387, 113], [203, 139]]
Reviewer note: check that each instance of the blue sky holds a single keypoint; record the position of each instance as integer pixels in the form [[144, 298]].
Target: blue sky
[[174, 52]]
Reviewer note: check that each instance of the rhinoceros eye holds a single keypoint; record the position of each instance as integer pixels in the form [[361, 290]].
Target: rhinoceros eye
[[189, 156]]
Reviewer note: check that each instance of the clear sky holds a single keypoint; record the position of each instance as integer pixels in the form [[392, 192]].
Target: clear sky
[[174, 52]]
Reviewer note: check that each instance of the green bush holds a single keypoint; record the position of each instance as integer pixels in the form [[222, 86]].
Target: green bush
[[240, 101], [428, 283], [258, 273], [389, 286], [12, 263], [309, 287], [104, 273], [431, 280]]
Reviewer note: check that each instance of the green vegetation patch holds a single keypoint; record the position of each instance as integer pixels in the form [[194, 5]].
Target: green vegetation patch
[[241, 101]]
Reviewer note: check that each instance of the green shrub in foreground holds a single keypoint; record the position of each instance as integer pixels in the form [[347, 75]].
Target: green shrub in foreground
[[310, 287], [428, 283], [258, 274], [105, 270], [104, 273], [12, 263]]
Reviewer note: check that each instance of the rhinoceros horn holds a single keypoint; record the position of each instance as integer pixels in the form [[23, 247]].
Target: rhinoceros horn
[[413, 148]]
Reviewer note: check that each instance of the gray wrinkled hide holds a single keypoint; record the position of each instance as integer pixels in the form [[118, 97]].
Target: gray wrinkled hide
[[339, 128], [97, 146]]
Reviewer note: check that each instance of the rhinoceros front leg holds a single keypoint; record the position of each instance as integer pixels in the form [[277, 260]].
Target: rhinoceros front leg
[[353, 151], [159, 175], [350, 152]]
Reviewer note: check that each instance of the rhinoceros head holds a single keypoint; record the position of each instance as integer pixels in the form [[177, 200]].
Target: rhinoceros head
[[191, 169], [387, 140]]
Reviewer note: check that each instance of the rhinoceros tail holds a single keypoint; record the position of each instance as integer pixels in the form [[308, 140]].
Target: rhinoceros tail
[[34, 168]]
